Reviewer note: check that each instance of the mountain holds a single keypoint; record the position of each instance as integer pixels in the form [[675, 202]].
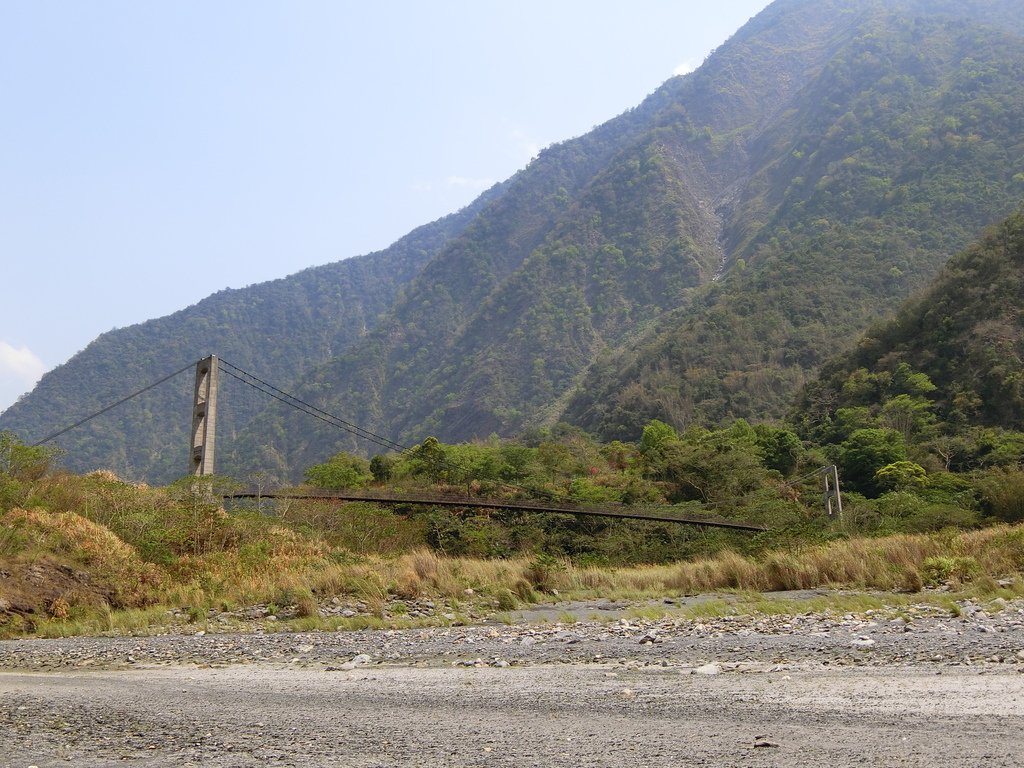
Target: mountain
[[965, 333], [896, 154], [695, 259], [280, 328]]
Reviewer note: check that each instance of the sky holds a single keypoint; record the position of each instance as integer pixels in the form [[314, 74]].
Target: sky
[[154, 153]]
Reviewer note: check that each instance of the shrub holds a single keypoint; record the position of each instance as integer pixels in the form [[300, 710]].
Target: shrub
[[938, 570], [543, 571], [1002, 493]]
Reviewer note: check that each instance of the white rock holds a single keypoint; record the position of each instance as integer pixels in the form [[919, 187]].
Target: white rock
[[863, 642], [709, 669]]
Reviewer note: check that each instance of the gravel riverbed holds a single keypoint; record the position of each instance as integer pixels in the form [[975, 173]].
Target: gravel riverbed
[[917, 689]]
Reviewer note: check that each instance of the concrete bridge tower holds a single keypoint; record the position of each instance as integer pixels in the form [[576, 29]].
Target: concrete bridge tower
[[204, 417]]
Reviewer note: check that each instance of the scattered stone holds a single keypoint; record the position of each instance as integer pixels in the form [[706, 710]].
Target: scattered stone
[[709, 669]]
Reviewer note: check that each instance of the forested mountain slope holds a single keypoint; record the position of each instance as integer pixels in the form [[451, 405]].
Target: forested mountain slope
[[280, 328], [598, 236], [822, 163], [905, 146], [965, 333]]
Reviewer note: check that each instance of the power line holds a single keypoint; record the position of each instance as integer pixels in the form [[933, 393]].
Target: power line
[[100, 412]]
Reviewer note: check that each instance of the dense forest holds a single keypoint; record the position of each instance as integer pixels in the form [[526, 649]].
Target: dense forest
[[691, 262], [943, 381], [896, 156]]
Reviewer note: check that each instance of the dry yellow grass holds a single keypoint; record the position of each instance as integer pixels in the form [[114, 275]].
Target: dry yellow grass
[[274, 564], [131, 581]]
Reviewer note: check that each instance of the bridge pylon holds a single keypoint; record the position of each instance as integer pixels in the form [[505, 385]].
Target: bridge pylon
[[204, 417]]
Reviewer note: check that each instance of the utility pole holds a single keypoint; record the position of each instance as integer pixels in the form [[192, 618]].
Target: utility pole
[[204, 417], [832, 499]]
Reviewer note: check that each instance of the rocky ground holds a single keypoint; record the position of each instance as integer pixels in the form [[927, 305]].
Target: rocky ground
[[917, 688]]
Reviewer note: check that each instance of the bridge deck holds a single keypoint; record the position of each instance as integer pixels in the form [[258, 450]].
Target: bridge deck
[[520, 505]]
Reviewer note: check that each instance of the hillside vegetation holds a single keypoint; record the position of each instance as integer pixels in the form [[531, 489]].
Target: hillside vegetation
[[944, 379], [904, 147], [932, 479], [93, 553]]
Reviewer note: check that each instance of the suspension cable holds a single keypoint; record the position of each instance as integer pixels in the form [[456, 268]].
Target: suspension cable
[[301, 405], [316, 413], [100, 412]]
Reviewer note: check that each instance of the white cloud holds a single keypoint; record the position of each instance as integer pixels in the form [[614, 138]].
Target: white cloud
[[463, 181], [685, 68], [20, 369]]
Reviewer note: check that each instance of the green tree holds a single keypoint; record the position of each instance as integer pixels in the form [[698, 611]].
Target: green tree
[[382, 467], [781, 447], [900, 475], [429, 459], [865, 452], [1002, 493], [555, 458], [714, 466], [657, 435], [24, 462], [909, 415], [343, 470]]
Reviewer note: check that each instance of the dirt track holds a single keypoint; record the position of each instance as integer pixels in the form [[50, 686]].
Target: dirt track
[[808, 690]]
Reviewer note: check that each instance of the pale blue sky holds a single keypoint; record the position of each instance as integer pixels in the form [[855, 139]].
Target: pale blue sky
[[152, 153]]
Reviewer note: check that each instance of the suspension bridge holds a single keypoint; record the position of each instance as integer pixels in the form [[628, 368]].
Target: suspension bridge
[[204, 441]]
